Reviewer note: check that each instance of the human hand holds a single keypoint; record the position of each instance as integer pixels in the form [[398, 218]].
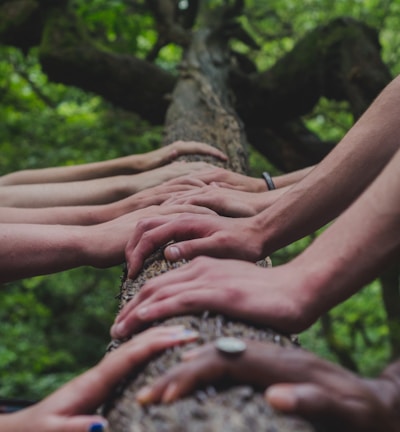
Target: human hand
[[226, 202], [166, 173], [166, 154], [103, 245], [71, 408], [299, 383], [156, 195], [272, 297], [211, 235], [226, 179]]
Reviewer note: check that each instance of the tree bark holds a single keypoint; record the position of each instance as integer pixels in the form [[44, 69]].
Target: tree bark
[[201, 109]]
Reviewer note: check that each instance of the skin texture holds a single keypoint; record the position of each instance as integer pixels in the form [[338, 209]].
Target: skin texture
[[120, 166], [72, 407], [92, 214], [297, 382], [324, 193], [34, 249], [225, 201], [92, 192], [288, 297]]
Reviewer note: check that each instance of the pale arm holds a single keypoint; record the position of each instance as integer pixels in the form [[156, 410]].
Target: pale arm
[[92, 192], [91, 214], [34, 249], [126, 165], [291, 297], [226, 201], [321, 196], [356, 247], [340, 178], [291, 178]]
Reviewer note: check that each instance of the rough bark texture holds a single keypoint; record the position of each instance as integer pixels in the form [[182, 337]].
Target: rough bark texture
[[200, 109]]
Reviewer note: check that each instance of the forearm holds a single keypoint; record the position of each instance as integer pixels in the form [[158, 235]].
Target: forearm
[[70, 215], [358, 245], [11, 422], [119, 166], [291, 178], [340, 178], [30, 250], [89, 192], [264, 200]]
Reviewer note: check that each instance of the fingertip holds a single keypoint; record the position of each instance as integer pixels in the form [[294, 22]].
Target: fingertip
[[118, 330], [172, 253], [98, 426], [145, 395], [171, 393], [281, 397]]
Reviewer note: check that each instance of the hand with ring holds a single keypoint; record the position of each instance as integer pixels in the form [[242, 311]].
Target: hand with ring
[[295, 382]]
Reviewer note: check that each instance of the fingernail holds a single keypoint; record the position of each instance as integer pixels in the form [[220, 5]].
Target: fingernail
[[170, 393], [186, 334], [144, 395], [118, 330], [281, 398], [142, 312], [98, 427], [173, 253]]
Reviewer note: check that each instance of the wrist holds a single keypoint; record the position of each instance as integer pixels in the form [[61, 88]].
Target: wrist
[[322, 280]]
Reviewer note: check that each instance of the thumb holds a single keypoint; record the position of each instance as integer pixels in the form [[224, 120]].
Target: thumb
[[190, 249], [308, 400]]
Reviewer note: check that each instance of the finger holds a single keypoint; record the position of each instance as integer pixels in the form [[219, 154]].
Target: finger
[[208, 246], [161, 286], [86, 392], [148, 235], [147, 239], [181, 303], [229, 186], [187, 180], [81, 424], [182, 379], [313, 402], [184, 208], [201, 148]]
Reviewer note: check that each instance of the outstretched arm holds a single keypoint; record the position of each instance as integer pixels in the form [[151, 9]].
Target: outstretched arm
[[33, 249], [71, 408], [346, 256], [226, 201], [92, 214], [126, 165], [321, 196], [298, 383], [92, 192]]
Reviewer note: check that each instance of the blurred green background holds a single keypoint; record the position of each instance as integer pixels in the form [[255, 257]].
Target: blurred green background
[[54, 327]]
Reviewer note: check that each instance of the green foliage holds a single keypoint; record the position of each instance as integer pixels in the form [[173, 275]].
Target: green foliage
[[53, 327], [56, 326], [361, 326]]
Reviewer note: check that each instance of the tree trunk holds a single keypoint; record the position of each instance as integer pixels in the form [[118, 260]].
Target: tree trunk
[[200, 110]]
